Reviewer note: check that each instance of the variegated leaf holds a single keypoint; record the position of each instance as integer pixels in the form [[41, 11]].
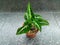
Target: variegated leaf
[[23, 29], [29, 14], [41, 20], [36, 24]]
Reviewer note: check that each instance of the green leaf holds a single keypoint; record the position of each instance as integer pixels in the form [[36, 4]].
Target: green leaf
[[27, 22], [37, 16], [23, 29], [29, 14], [43, 23], [36, 24], [26, 16], [41, 20], [29, 10]]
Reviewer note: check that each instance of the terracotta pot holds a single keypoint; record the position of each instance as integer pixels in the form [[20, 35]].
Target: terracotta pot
[[31, 33]]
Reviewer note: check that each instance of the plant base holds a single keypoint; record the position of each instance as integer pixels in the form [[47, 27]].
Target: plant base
[[31, 34]]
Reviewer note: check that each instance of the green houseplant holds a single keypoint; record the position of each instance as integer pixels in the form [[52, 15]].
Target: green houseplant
[[33, 23]]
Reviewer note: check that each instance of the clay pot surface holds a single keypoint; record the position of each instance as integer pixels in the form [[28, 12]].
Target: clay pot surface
[[31, 34]]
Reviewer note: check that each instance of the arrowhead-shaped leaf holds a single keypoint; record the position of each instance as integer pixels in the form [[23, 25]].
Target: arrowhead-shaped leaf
[[37, 16], [36, 24], [41, 21], [29, 14], [23, 29]]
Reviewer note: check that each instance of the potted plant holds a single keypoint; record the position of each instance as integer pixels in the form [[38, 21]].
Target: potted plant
[[32, 24]]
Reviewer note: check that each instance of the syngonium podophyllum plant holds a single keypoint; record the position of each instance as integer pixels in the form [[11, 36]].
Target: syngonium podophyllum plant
[[30, 20]]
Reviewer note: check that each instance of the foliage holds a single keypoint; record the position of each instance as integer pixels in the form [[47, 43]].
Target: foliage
[[31, 18]]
